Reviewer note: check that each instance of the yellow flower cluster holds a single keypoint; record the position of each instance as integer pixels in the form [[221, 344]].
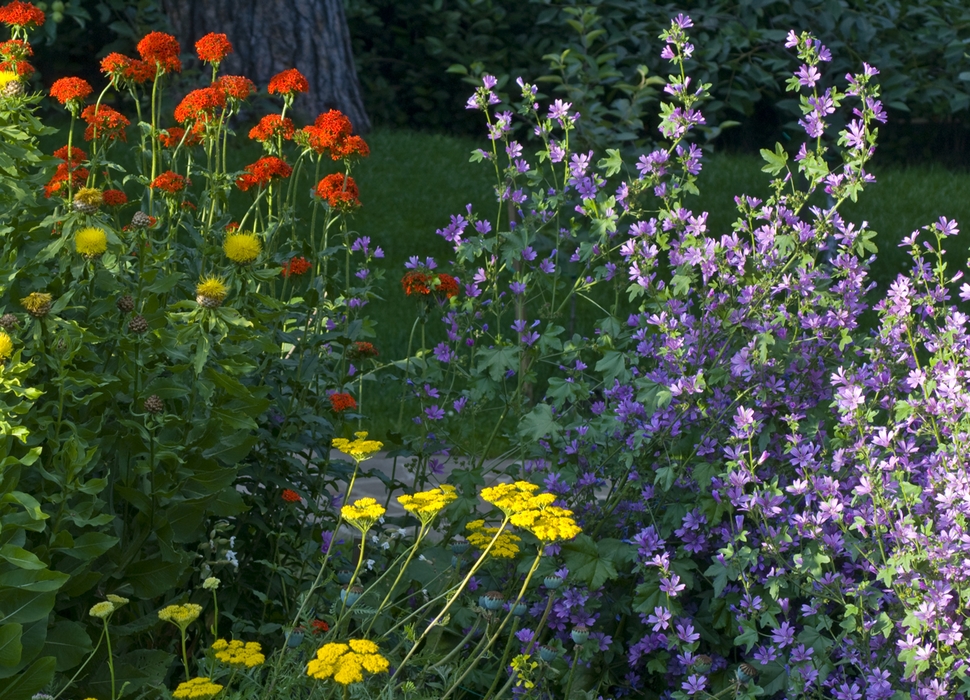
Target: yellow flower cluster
[[363, 513], [91, 242], [197, 689], [6, 347], [549, 524], [427, 504], [479, 536], [239, 654], [37, 303], [360, 448], [346, 663], [242, 248], [89, 196], [180, 615], [102, 610], [517, 497]]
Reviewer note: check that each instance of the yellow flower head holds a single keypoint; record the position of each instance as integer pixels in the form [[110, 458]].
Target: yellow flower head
[[117, 600], [360, 448], [239, 654], [512, 498], [6, 347], [89, 196], [7, 76], [549, 524], [197, 689], [91, 242], [242, 248], [37, 303], [346, 663], [211, 288], [102, 610], [363, 513], [506, 544], [211, 583], [180, 615], [427, 504]]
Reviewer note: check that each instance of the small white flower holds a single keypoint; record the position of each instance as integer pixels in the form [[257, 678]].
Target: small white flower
[[385, 546], [401, 532], [421, 557], [231, 558], [375, 539], [370, 564], [381, 520]]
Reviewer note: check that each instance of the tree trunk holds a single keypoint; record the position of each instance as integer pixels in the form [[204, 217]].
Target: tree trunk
[[269, 36]]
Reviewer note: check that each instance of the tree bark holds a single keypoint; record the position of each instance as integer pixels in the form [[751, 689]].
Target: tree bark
[[269, 36]]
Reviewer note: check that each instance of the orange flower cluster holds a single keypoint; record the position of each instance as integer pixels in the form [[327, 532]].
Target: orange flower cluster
[[289, 82], [21, 14], [169, 182], [13, 57], [235, 87], [270, 126], [361, 349], [338, 191], [447, 285], [72, 90], [58, 183], [417, 282], [342, 402], [331, 132], [319, 627], [75, 156], [104, 122], [231, 226], [260, 173], [200, 105], [291, 496], [114, 198], [296, 266], [162, 50], [173, 135], [212, 48], [123, 68]]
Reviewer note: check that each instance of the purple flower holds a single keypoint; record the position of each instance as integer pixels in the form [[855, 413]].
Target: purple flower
[[559, 110], [434, 412], [660, 619], [459, 404], [517, 287], [694, 684], [808, 75], [443, 353]]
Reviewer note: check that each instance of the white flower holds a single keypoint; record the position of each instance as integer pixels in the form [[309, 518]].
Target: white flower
[[231, 558], [401, 532], [385, 546], [421, 557], [370, 564], [375, 539]]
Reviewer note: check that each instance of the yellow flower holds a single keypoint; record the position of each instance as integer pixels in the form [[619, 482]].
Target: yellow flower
[[197, 689], [91, 242], [427, 504], [102, 610], [117, 600], [363, 513], [210, 292], [242, 248], [346, 663], [505, 546], [37, 303], [513, 498], [7, 76], [211, 583], [360, 448], [238, 653], [6, 347], [180, 615], [549, 524], [89, 196]]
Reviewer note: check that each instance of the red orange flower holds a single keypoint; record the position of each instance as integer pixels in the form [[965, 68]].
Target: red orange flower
[[104, 122], [212, 48], [261, 172], [289, 82], [174, 135], [415, 282], [342, 402], [14, 54], [114, 198], [337, 192], [21, 14], [350, 146], [291, 496], [319, 627], [158, 48], [76, 155], [270, 126], [200, 105], [447, 285], [361, 349], [71, 90], [418, 282], [123, 68], [169, 182], [296, 266], [332, 132], [77, 176], [231, 226], [235, 87]]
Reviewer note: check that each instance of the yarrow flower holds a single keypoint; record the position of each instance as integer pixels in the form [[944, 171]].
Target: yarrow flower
[[180, 615], [242, 248], [158, 48], [288, 83], [359, 448], [102, 610], [197, 689], [338, 191], [212, 48], [340, 402], [169, 182], [296, 266], [238, 653], [425, 505], [479, 536], [91, 242], [346, 663], [363, 513]]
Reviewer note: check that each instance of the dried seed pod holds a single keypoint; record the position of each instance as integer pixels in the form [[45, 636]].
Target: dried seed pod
[[125, 304], [138, 324], [141, 220], [154, 405]]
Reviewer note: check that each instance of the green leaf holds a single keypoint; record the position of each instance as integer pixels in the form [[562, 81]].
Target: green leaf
[[33, 579], [590, 561], [18, 556], [539, 423], [68, 643], [612, 365], [31, 681], [612, 163], [10, 646], [91, 545], [136, 669], [153, 577], [777, 161]]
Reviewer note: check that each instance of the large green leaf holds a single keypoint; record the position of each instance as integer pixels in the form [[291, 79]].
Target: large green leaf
[[24, 685], [539, 423], [153, 577], [18, 556], [132, 672], [68, 643], [592, 562], [10, 646], [25, 606], [90, 545]]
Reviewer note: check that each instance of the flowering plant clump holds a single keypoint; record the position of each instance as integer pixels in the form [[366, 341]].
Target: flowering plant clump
[[197, 689], [346, 663], [238, 653]]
